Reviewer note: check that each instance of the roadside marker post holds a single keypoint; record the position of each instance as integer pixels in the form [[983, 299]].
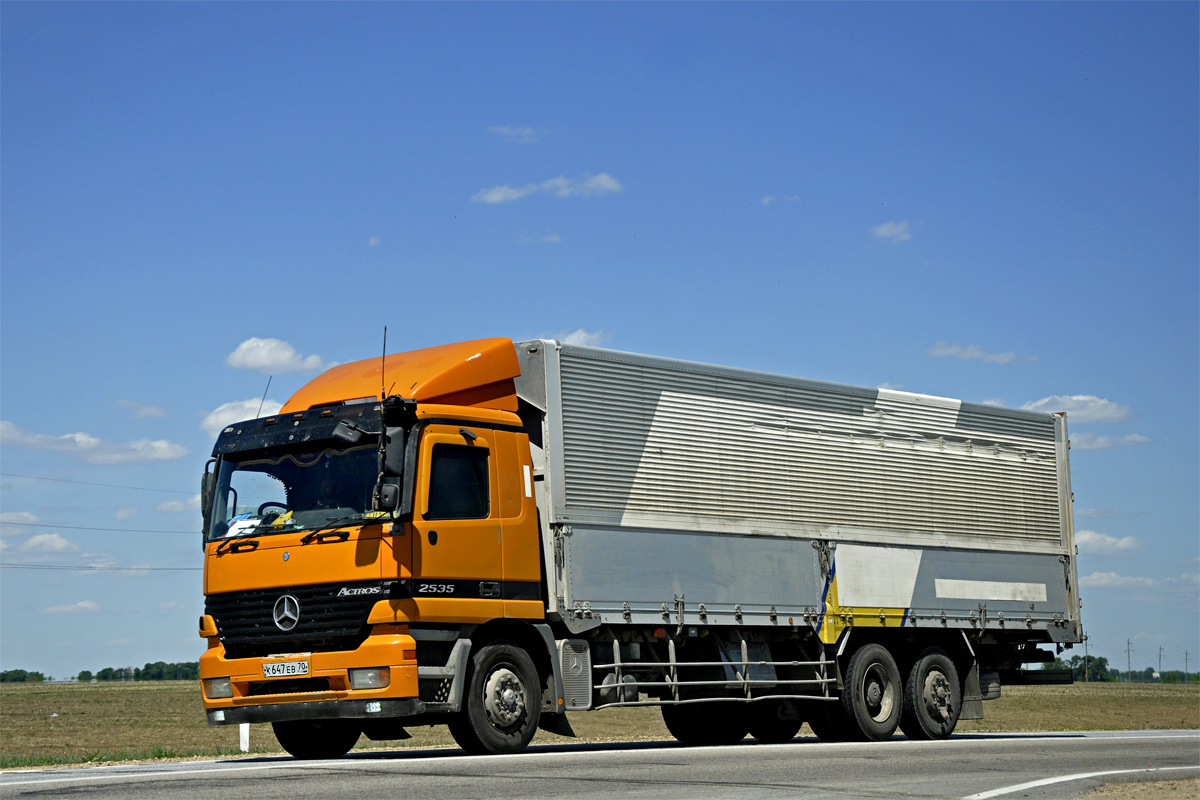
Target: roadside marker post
[[244, 737]]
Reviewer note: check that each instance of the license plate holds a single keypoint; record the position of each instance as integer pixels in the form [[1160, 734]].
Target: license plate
[[283, 669]]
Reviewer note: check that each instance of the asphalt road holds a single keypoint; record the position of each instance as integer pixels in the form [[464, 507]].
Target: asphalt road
[[971, 766]]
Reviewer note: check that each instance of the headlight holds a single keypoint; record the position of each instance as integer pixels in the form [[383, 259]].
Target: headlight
[[218, 688], [377, 678]]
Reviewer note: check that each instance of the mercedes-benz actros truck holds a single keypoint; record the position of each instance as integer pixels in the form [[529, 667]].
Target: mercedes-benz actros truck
[[489, 535]]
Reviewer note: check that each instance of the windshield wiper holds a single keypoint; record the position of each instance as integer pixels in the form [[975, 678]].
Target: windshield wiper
[[262, 526], [340, 522], [229, 543]]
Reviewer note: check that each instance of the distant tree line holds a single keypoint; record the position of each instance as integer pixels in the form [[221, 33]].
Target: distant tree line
[[21, 676], [1100, 671], [158, 671]]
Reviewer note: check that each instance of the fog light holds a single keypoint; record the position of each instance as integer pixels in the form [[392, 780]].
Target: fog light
[[218, 688], [370, 678]]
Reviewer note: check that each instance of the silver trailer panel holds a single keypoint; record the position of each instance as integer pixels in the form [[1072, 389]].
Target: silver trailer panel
[[702, 474]]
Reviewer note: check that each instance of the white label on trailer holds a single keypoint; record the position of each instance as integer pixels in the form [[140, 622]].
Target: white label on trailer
[[989, 590], [528, 483], [876, 576]]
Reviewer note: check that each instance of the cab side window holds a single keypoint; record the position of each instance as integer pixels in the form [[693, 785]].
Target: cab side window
[[458, 482]]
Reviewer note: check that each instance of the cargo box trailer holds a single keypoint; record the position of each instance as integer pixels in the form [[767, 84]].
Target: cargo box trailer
[[511, 532]]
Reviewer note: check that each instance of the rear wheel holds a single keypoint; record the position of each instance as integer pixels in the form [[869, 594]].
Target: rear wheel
[[769, 726], [706, 723], [932, 697], [318, 738], [502, 703], [872, 694]]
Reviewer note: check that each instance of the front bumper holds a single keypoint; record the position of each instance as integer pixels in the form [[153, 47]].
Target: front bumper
[[316, 709], [252, 702]]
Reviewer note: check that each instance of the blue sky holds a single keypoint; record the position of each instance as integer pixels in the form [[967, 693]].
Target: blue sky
[[996, 202]]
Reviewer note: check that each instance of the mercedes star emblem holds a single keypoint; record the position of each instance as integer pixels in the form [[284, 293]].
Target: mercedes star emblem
[[287, 612]]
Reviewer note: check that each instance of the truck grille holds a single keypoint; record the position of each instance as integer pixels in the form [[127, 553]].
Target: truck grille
[[246, 623]]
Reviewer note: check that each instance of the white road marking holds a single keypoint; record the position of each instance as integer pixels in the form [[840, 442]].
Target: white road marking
[[1064, 779], [375, 758]]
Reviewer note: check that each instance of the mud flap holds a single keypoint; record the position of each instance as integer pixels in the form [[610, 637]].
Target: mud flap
[[972, 697], [557, 723]]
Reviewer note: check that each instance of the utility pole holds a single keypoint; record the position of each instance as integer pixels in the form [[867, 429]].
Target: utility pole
[[1128, 661], [1160, 660], [1185, 667], [1085, 658]]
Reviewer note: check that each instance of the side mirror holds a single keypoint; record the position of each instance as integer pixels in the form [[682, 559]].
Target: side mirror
[[208, 483], [347, 433], [393, 463], [386, 497]]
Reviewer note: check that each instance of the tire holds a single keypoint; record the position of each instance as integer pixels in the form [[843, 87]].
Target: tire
[[932, 697], [502, 702], [316, 739], [767, 726], [830, 724], [706, 723], [873, 693]]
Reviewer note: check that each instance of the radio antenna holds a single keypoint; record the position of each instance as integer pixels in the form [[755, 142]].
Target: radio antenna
[[383, 368], [258, 413]]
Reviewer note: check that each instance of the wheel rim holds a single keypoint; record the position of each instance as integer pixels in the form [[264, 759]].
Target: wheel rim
[[503, 698], [879, 693], [936, 694]]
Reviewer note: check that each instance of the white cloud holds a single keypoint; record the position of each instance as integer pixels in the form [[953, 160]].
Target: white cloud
[[993, 401], [190, 504], [895, 387], [238, 411], [374, 240], [554, 237], [48, 543], [1082, 408], [518, 135], [82, 605], [91, 449], [19, 517], [580, 336], [125, 513], [1111, 580], [1090, 441], [780, 198], [893, 231], [588, 186], [1103, 544], [973, 352], [141, 410], [272, 357]]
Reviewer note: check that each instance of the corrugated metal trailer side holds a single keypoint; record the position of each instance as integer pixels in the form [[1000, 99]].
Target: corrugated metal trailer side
[[673, 488]]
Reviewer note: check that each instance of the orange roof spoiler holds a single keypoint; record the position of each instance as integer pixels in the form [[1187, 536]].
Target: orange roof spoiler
[[477, 373]]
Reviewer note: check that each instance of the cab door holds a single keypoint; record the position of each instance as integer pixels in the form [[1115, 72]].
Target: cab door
[[457, 547]]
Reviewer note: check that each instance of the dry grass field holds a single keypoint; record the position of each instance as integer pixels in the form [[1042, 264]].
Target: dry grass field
[[105, 722]]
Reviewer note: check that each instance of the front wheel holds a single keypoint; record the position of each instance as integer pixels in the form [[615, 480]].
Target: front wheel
[[502, 703], [932, 697], [871, 697], [318, 738]]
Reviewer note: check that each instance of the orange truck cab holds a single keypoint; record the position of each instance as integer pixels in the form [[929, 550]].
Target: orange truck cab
[[349, 542]]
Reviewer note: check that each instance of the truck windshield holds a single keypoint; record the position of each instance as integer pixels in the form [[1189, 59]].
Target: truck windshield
[[300, 491]]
